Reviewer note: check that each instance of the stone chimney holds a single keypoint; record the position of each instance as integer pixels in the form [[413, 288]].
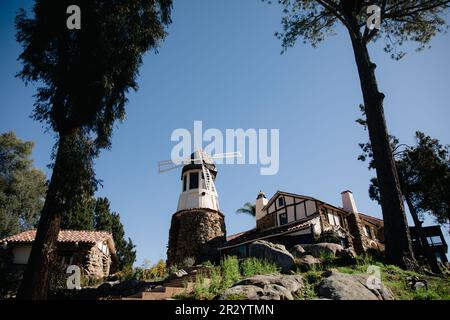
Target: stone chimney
[[354, 221], [348, 202], [261, 201]]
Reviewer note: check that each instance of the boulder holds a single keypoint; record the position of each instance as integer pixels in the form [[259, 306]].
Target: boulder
[[275, 253], [242, 292], [341, 286], [297, 251], [265, 287], [318, 250], [307, 262], [291, 282], [346, 257]]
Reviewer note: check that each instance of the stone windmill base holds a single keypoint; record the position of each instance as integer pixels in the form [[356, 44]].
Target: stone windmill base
[[195, 233]]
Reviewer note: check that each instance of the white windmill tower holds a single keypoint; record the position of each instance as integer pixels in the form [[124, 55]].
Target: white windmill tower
[[198, 226]]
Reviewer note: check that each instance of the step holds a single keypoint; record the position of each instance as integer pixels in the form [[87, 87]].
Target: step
[[158, 295]]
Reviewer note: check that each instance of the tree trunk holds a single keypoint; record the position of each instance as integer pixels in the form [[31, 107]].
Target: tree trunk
[[35, 283], [422, 239], [398, 242]]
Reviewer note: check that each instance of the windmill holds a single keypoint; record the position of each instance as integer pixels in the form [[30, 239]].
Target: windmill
[[197, 228], [197, 176]]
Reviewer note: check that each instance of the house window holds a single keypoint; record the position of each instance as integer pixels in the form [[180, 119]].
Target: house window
[[193, 180], [280, 202], [283, 219], [434, 241], [330, 219], [367, 231], [184, 182], [341, 221]]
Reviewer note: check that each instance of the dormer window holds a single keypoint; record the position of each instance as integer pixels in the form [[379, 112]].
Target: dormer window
[[280, 202]]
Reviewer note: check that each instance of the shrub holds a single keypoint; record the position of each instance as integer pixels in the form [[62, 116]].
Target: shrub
[[252, 266], [173, 268], [188, 262], [329, 237], [201, 288], [230, 271]]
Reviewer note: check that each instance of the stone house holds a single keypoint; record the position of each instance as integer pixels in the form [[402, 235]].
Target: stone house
[[290, 219], [93, 251]]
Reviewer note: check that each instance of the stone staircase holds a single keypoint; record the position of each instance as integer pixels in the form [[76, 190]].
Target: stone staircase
[[169, 288]]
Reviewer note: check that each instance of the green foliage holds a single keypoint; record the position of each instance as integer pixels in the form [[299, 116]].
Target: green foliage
[[207, 264], [201, 288], [173, 268], [395, 278], [22, 187], [329, 237], [252, 266], [216, 284], [105, 220], [313, 21], [80, 216], [248, 208], [424, 174], [102, 215], [230, 271], [217, 279], [188, 262], [83, 77]]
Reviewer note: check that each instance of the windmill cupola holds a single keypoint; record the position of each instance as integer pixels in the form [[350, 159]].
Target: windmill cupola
[[196, 163], [197, 183]]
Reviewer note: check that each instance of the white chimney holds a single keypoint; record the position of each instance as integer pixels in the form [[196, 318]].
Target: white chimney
[[348, 202], [261, 201]]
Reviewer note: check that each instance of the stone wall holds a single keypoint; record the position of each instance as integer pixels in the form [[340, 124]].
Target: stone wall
[[351, 236], [266, 222], [362, 243], [90, 258], [195, 233], [97, 263], [355, 228]]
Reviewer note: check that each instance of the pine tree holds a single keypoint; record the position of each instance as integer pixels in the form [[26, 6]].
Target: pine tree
[[401, 21], [83, 78]]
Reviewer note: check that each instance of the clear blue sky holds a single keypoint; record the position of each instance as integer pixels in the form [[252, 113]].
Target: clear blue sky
[[221, 64]]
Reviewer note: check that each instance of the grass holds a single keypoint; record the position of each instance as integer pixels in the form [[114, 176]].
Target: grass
[[222, 277], [395, 279], [252, 266], [231, 270]]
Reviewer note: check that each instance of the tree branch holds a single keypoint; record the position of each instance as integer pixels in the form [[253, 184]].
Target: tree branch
[[331, 6], [417, 9]]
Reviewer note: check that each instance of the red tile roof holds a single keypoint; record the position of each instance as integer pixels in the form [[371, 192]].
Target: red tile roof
[[64, 236]]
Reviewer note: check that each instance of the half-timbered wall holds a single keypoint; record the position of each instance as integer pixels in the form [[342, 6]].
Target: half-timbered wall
[[288, 208]]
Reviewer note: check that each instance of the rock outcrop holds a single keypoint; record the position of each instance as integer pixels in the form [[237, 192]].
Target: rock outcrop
[[265, 287], [318, 250], [308, 262], [275, 253], [341, 286], [297, 251]]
